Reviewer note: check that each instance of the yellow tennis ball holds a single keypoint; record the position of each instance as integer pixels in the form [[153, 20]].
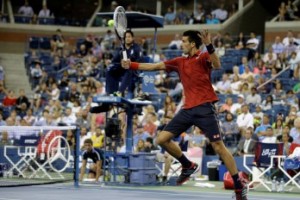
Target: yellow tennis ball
[[111, 23]]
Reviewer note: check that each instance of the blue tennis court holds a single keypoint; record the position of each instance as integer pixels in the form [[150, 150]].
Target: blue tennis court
[[91, 192]]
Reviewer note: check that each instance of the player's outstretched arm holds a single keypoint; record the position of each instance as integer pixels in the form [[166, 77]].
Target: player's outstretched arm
[[127, 64], [205, 37]]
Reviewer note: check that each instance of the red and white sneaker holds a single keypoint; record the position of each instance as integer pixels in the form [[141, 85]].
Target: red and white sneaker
[[186, 173]]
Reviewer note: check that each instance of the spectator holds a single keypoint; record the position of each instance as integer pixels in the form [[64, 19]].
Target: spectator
[[220, 49], [236, 107], [278, 126], [278, 46], [282, 12], [233, 10], [235, 85], [289, 37], [5, 139], [227, 105], [290, 48], [254, 97], [247, 144], [113, 6], [258, 115], [22, 99], [198, 16], [252, 44], [10, 99], [220, 13], [291, 9], [44, 12], [176, 43], [140, 134], [69, 118], [227, 41], [58, 41], [269, 136], [98, 138], [260, 68], [149, 146], [170, 16], [261, 131], [34, 19], [295, 131], [223, 86], [211, 20], [285, 131], [182, 16], [26, 10], [245, 119], [267, 104], [241, 41], [247, 74], [140, 147], [29, 118], [230, 127], [270, 58]]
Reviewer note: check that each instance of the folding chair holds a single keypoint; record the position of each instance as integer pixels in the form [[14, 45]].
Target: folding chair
[[265, 158], [26, 151], [292, 164]]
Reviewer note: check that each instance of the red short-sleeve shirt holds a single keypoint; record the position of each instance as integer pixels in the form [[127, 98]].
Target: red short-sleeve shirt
[[194, 73]]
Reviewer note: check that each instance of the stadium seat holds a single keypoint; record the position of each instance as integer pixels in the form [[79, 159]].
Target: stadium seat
[[33, 42], [22, 19], [45, 43], [46, 20]]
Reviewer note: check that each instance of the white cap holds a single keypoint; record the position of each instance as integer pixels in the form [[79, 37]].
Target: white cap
[[241, 96]]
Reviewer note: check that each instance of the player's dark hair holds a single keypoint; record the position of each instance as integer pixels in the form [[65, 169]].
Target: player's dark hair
[[130, 32], [88, 141], [193, 37]]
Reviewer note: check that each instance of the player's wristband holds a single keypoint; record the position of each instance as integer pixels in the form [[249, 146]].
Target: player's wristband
[[210, 48], [134, 66]]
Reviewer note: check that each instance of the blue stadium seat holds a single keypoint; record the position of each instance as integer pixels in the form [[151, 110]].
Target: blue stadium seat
[[33, 42], [22, 19], [46, 20], [45, 43]]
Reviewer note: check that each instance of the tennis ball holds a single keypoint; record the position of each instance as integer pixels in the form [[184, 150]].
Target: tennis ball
[[111, 23]]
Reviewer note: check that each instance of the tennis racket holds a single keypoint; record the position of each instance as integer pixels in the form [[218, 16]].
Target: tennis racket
[[120, 25]]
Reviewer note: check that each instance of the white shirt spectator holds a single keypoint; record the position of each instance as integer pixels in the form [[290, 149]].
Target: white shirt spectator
[[45, 12], [253, 41], [55, 94], [271, 139], [70, 119], [245, 120], [254, 99], [26, 10], [278, 48], [220, 14], [286, 40]]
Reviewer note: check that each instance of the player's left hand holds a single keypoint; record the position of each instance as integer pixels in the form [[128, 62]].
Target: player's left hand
[[205, 37]]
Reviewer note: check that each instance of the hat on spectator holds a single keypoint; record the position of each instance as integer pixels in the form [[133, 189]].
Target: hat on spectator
[[241, 96], [140, 126]]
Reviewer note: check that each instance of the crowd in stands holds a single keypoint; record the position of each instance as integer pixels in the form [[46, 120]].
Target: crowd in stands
[[288, 11], [65, 79]]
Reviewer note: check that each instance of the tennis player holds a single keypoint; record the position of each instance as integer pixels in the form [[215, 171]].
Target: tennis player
[[194, 70]]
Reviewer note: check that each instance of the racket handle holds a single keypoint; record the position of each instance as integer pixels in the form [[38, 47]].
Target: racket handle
[[124, 55]]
